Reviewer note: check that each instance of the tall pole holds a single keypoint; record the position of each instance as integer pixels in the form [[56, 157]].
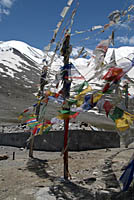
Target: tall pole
[[43, 82], [126, 96], [66, 126], [65, 51], [31, 146]]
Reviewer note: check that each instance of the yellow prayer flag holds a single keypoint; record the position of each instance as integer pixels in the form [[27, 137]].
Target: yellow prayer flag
[[96, 97], [63, 116], [80, 97], [88, 89], [128, 17], [46, 126], [20, 117], [122, 124], [125, 121], [80, 102], [41, 130]]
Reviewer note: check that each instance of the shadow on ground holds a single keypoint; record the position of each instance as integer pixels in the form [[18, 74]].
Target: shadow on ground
[[60, 188], [67, 189]]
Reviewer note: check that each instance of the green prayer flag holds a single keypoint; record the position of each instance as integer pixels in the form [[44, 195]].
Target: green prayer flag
[[64, 111], [72, 113], [85, 83], [72, 101], [117, 114], [67, 112], [32, 125], [47, 129]]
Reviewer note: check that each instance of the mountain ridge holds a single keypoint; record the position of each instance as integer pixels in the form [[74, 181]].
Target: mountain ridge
[[20, 68]]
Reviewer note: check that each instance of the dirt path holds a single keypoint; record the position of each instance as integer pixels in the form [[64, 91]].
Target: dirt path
[[94, 174]]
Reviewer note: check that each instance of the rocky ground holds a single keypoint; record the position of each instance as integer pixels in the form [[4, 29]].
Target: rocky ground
[[94, 175]]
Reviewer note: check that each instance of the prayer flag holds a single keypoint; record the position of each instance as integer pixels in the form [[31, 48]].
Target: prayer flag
[[113, 73], [107, 106], [125, 121], [68, 115], [127, 176], [117, 113]]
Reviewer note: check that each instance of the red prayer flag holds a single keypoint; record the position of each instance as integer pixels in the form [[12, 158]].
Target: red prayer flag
[[106, 87], [107, 106], [112, 73]]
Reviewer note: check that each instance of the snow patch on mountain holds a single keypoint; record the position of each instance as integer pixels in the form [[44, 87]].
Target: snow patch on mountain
[[31, 52], [10, 63]]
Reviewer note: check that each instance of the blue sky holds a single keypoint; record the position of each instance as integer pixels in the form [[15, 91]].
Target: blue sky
[[33, 21]]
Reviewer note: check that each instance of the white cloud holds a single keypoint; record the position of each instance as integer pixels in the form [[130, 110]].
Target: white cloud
[[6, 12], [124, 25], [5, 6], [125, 40], [7, 3]]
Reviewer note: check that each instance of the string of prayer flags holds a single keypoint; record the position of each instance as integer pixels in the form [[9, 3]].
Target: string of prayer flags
[[72, 17], [88, 89], [31, 123], [63, 15], [41, 128], [67, 114], [114, 16], [64, 11], [47, 128], [85, 83], [97, 60], [130, 7], [80, 96], [96, 27], [23, 114], [91, 100], [69, 2], [37, 129], [93, 28]]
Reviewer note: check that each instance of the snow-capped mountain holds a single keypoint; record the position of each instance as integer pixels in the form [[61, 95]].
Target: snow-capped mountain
[[20, 67], [19, 76]]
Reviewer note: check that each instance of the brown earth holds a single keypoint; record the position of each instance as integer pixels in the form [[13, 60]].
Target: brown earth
[[94, 175]]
